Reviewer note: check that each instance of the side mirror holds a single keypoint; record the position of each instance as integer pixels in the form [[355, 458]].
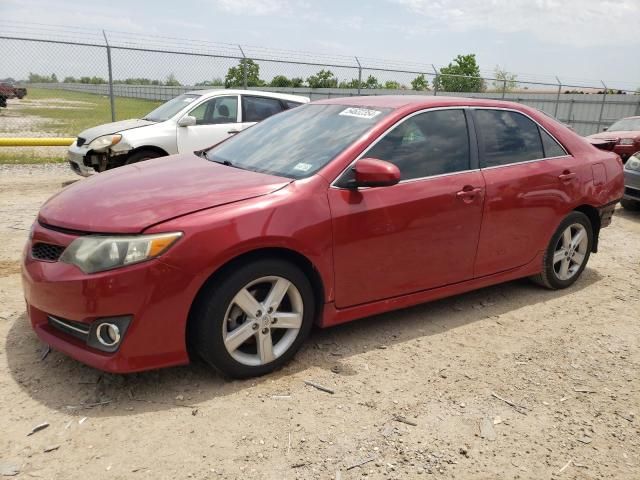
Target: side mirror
[[187, 121], [371, 172], [605, 129]]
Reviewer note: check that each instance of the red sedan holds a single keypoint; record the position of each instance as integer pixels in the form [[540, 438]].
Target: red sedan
[[625, 133], [322, 214]]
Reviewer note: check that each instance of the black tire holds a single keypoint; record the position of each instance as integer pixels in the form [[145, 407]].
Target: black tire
[[549, 277], [630, 204], [141, 156], [207, 321]]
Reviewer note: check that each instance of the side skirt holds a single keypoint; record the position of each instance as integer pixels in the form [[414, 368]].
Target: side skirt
[[334, 316]]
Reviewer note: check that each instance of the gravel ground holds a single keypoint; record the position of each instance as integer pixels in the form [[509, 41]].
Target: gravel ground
[[510, 381]]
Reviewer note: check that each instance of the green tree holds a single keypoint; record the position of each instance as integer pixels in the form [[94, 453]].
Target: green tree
[[371, 82], [69, 80], [467, 75], [235, 75], [353, 83], [280, 81], [297, 82], [392, 85], [172, 81], [504, 80], [420, 83], [54, 78], [323, 79], [216, 82]]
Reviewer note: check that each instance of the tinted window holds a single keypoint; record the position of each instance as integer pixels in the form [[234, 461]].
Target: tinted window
[[256, 109], [215, 111], [551, 147], [427, 144], [298, 142], [507, 137]]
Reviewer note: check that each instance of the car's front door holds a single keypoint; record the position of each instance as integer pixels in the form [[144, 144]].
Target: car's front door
[[531, 183], [216, 119], [421, 233]]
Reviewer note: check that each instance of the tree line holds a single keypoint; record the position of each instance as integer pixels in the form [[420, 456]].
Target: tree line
[[461, 75]]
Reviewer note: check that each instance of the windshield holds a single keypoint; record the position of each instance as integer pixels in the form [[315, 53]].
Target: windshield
[[625, 125], [298, 142], [170, 108]]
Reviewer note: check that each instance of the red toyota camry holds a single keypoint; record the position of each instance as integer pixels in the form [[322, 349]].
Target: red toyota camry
[[322, 214]]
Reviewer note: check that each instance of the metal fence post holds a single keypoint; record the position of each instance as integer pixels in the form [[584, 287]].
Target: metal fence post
[[604, 99], [245, 68], [555, 110], [435, 80], [359, 75], [570, 111], [111, 98], [504, 88]]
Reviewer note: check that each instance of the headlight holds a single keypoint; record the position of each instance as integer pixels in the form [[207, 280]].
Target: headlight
[[97, 253], [105, 141], [626, 141], [633, 164]]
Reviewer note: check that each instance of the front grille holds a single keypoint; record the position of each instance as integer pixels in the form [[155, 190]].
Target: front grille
[[46, 252], [632, 192], [75, 329], [80, 141]]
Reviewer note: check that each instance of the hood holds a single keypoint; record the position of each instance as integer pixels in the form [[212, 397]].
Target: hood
[[620, 134], [131, 198], [91, 134]]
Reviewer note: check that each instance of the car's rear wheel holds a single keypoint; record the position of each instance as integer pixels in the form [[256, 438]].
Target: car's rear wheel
[[568, 252], [630, 204], [141, 156], [253, 319]]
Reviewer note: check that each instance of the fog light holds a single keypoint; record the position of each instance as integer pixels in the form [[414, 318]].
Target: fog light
[[108, 334]]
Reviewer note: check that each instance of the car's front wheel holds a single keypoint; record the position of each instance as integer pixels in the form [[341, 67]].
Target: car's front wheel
[[252, 320], [141, 156], [567, 253]]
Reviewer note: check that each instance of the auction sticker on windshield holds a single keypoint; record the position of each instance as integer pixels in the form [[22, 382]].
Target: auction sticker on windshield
[[303, 167], [360, 112]]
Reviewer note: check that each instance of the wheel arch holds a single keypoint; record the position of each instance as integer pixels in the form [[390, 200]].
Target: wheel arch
[[286, 254], [594, 217], [152, 148]]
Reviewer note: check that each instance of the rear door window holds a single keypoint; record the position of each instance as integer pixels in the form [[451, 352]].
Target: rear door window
[[507, 137], [255, 109]]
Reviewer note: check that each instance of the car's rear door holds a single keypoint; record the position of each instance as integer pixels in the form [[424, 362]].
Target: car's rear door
[[531, 183], [418, 234], [216, 119]]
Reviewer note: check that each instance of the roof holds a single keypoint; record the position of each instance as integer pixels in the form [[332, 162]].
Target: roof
[[426, 101], [226, 91]]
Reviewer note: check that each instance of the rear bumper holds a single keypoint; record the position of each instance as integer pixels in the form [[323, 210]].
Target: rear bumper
[[625, 151]]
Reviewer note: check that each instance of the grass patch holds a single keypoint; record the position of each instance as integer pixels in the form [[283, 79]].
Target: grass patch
[[69, 119], [8, 158]]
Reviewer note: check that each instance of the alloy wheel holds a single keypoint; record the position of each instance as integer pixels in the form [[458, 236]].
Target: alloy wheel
[[570, 251]]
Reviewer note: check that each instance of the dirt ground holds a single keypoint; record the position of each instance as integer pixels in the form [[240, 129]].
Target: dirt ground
[[568, 361]]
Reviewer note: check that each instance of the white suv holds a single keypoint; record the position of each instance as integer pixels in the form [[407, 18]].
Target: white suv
[[190, 122]]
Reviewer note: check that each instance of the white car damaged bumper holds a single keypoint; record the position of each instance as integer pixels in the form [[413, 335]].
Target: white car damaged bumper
[[85, 161]]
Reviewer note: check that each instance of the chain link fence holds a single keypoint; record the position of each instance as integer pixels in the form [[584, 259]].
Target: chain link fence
[[77, 78]]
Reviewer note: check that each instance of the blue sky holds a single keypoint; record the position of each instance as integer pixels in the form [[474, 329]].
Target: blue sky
[[578, 40]]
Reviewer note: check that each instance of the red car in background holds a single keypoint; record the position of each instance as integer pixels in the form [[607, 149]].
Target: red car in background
[[322, 214], [626, 134]]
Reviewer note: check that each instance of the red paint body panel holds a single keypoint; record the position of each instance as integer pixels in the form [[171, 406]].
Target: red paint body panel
[[422, 225], [374, 249]]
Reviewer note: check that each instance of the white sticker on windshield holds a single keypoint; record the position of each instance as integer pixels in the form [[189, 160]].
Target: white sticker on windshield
[[360, 112], [303, 167], [189, 99]]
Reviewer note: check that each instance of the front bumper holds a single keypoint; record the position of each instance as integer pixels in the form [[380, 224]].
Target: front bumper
[[149, 295], [625, 151], [76, 156], [632, 185]]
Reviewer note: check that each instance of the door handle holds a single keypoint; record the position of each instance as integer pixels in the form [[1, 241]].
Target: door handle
[[468, 192], [231, 132], [566, 176]]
